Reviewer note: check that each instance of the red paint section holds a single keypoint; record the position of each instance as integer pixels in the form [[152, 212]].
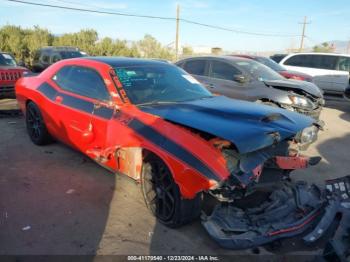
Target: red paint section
[[292, 162]]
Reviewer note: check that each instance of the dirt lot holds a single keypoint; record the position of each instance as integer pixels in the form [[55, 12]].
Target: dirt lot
[[54, 200]]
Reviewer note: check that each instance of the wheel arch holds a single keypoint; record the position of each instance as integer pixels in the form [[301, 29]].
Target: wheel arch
[[187, 179]]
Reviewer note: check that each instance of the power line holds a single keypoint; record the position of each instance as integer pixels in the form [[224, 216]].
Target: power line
[[152, 17], [236, 30]]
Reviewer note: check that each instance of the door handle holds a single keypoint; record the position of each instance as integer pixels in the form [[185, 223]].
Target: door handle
[[58, 99]]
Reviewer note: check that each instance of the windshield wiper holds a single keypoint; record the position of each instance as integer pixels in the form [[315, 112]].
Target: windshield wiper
[[171, 102]]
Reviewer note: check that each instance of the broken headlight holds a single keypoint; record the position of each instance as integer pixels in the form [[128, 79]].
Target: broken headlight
[[302, 102], [308, 135]]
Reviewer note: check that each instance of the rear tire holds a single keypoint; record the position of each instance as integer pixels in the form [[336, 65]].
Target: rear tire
[[162, 195], [36, 127]]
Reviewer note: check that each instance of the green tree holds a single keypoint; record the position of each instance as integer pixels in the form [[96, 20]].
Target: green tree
[[24, 42], [84, 40], [149, 47], [324, 47], [187, 50]]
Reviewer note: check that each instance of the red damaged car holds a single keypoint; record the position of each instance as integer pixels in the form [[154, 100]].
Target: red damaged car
[[10, 72], [155, 123]]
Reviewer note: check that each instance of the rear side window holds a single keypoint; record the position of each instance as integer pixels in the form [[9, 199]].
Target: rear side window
[[195, 67], [45, 58], [343, 63], [223, 70], [313, 61], [82, 81], [55, 58]]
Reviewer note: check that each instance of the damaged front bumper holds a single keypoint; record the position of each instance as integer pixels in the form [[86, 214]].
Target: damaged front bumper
[[289, 211]]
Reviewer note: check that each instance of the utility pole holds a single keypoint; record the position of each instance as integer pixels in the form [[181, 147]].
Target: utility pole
[[303, 34], [348, 47], [177, 31]]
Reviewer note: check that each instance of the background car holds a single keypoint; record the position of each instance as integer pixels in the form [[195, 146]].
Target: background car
[[329, 71], [10, 72], [46, 56], [155, 123], [278, 68], [247, 79], [278, 57]]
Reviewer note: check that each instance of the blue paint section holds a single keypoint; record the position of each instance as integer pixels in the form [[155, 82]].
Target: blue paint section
[[171, 147], [245, 124]]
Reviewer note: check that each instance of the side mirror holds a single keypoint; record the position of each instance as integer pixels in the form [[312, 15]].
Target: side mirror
[[239, 78]]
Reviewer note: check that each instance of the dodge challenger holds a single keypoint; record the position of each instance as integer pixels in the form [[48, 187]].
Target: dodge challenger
[[155, 123]]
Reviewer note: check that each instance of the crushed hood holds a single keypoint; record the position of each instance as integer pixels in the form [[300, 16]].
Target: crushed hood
[[292, 84], [248, 125]]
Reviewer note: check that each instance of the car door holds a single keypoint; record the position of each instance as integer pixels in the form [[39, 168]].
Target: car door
[[82, 100], [221, 80]]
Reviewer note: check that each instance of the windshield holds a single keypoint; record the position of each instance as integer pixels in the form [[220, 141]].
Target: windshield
[[7, 60], [70, 54], [159, 84], [270, 63], [259, 71]]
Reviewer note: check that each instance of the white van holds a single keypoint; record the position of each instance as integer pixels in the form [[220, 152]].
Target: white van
[[329, 71]]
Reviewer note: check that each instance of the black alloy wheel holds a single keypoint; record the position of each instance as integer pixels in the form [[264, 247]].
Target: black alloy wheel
[[162, 195], [35, 125]]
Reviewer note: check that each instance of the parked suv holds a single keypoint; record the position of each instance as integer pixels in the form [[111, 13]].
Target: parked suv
[[10, 72], [46, 56], [278, 57], [329, 71], [247, 79]]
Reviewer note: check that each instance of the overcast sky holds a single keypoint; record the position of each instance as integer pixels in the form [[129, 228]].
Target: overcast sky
[[329, 20]]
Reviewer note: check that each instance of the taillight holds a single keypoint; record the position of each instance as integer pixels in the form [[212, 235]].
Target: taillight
[[297, 77]]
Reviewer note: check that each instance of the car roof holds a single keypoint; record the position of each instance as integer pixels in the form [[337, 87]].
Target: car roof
[[222, 57], [245, 56], [60, 48], [319, 53], [116, 61]]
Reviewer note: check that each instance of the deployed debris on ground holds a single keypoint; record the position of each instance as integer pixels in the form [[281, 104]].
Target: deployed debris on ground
[[290, 210]]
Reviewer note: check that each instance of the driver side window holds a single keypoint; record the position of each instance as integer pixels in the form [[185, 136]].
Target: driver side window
[[82, 81], [223, 70]]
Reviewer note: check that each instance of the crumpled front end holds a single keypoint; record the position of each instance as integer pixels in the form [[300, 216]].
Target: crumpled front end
[[290, 210]]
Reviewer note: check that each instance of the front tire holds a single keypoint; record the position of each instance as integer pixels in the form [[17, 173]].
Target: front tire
[[36, 127], [162, 195]]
